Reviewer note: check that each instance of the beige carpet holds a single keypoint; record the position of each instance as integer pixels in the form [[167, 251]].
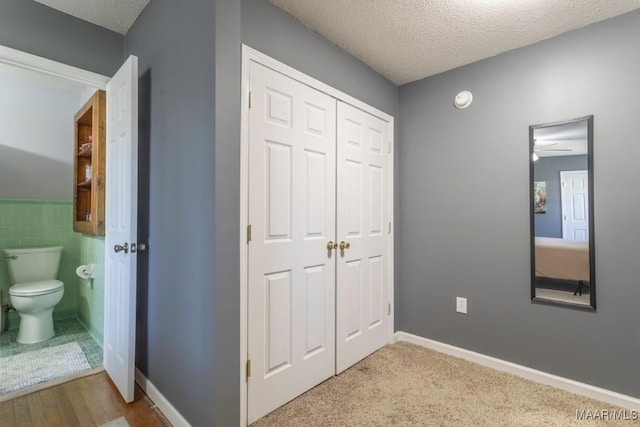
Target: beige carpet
[[407, 385]]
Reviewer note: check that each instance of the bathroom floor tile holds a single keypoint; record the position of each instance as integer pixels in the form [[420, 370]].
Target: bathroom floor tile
[[67, 330]]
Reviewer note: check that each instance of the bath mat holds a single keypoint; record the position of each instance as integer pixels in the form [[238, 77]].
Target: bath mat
[[34, 367], [118, 422]]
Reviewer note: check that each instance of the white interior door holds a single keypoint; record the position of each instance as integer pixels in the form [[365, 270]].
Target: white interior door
[[574, 189], [291, 274], [121, 230], [363, 225]]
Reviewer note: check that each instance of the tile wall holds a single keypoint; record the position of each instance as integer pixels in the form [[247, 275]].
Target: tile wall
[[28, 223], [91, 293]]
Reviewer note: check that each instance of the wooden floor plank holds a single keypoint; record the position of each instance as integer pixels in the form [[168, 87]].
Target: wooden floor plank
[[51, 409], [21, 410], [89, 401], [137, 416], [138, 412], [66, 409], [79, 407], [112, 404], [92, 404], [36, 410], [7, 416]]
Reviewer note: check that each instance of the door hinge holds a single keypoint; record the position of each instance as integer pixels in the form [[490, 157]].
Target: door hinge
[[389, 227], [389, 148], [248, 368], [389, 310], [249, 99], [248, 233]]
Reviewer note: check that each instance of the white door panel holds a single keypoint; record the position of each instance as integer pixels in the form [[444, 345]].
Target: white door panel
[[317, 170], [291, 275], [362, 218], [121, 219], [575, 205]]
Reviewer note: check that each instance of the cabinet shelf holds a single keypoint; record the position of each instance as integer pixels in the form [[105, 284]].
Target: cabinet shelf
[[85, 185], [89, 166], [85, 152]]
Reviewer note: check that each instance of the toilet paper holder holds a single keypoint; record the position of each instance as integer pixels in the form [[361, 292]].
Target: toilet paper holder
[[85, 271]]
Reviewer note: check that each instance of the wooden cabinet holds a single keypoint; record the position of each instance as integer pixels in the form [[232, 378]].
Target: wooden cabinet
[[89, 166]]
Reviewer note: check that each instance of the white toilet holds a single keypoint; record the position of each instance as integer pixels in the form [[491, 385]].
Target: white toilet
[[35, 290]]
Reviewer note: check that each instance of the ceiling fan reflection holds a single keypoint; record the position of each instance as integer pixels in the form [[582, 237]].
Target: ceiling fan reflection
[[541, 146]]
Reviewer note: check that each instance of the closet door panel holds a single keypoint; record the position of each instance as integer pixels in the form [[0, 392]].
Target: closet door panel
[[291, 274], [362, 298]]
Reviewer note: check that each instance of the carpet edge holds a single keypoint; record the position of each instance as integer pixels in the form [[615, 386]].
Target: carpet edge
[[566, 384]]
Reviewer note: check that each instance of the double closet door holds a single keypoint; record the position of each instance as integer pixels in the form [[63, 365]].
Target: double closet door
[[318, 258]]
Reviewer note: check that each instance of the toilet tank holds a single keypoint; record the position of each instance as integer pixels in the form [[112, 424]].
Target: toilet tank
[[32, 264]]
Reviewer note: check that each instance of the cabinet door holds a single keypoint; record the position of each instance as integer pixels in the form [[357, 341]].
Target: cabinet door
[[291, 287], [362, 224]]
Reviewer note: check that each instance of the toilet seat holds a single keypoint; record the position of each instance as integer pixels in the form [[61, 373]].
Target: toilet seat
[[32, 289]]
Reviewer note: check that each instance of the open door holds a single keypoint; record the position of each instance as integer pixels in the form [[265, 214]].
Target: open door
[[121, 227]]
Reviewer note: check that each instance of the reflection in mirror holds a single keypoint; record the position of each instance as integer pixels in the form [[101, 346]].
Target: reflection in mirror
[[562, 250]]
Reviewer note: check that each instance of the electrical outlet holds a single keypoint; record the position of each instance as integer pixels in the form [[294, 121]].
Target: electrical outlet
[[461, 305]]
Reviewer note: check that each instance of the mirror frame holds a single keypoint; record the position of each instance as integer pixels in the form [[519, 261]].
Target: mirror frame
[[592, 268]]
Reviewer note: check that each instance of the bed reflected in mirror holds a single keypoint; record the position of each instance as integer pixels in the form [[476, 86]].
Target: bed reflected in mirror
[[562, 249]]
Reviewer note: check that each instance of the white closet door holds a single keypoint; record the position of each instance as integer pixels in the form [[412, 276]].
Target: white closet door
[[291, 289], [574, 195], [362, 224]]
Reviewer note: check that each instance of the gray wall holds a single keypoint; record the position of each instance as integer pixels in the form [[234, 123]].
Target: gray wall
[[548, 169], [181, 345], [43, 31], [226, 329], [189, 137], [465, 204]]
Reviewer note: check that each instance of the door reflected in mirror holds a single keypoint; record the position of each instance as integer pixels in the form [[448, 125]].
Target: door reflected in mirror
[[561, 186]]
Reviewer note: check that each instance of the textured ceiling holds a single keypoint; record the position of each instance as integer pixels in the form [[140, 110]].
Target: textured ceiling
[[406, 40], [115, 15]]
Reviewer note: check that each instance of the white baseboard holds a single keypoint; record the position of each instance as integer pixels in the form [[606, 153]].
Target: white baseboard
[[566, 384], [175, 418]]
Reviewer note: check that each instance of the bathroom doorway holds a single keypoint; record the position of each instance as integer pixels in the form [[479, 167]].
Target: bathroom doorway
[[36, 198], [120, 206]]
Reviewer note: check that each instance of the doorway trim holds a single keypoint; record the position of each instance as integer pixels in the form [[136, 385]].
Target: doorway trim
[[249, 54], [29, 61]]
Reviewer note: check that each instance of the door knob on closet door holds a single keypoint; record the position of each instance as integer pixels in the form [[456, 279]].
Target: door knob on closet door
[[331, 245], [345, 245], [121, 248]]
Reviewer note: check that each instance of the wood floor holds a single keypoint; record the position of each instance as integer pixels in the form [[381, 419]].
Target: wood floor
[[88, 401]]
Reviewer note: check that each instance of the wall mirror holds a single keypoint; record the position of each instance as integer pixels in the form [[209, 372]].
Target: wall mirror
[[561, 190]]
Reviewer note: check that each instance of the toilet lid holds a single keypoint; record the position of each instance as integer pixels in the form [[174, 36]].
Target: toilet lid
[[41, 287]]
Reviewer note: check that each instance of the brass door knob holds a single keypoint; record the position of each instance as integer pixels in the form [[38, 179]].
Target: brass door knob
[[331, 245], [345, 245]]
